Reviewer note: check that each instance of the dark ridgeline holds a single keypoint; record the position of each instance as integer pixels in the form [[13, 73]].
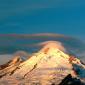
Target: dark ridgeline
[[68, 80]]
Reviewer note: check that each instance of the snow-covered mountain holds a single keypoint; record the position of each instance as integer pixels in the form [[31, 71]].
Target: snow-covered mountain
[[49, 66]]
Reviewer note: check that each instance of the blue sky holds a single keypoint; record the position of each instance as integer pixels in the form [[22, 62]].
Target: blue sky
[[43, 16]]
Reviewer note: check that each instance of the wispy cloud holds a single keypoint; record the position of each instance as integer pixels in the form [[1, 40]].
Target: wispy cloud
[[5, 58]]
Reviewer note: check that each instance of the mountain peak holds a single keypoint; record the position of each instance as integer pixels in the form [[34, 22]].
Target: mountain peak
[[52, 45], [48, 66]]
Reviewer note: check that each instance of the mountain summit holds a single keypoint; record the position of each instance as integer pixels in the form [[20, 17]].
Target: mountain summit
[[49, 66]]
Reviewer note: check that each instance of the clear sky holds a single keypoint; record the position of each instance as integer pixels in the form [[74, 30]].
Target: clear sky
[[38, 16]]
